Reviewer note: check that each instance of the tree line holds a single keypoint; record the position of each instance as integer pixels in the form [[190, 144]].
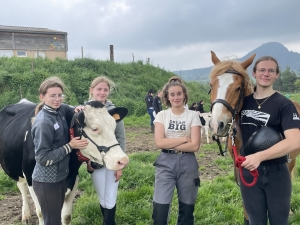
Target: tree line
[[288, 81]]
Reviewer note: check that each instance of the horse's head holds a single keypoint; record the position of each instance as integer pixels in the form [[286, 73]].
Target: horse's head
[[229, 84]]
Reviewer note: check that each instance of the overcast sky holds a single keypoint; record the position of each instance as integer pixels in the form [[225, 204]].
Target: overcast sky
[[174, 34]]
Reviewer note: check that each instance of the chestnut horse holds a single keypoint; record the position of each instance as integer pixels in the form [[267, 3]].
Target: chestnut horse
[[230, 83]]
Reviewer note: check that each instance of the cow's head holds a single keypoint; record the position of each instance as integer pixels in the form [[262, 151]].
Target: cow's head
[[98, 127]]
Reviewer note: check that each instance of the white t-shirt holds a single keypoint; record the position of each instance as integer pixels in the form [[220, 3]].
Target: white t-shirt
[[178, 125]]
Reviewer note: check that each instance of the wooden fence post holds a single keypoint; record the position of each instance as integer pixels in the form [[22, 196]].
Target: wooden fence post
[[111, 51]]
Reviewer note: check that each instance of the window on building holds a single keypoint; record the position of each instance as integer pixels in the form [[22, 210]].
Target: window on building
[[21, 53], [6, 53]]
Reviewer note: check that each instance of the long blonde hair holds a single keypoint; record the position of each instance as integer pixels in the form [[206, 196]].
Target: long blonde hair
[[97, 80], [50, 82]]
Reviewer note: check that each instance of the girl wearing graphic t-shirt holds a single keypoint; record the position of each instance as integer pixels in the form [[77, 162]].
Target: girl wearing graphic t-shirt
[[177, 133], [269, 199]]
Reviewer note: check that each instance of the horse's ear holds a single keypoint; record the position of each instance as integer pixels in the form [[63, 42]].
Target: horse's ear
[[118, 113], [248, 61], [214, 58]]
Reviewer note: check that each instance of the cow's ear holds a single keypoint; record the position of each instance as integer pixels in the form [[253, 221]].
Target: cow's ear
[[118, 113]]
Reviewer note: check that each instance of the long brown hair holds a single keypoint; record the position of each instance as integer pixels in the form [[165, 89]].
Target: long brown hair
[[50, 82], [174, 81]]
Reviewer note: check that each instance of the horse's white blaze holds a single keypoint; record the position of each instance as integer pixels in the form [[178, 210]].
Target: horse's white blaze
[[100, 127], [66, 212], [22, 185], [37, 206], [216, 115]]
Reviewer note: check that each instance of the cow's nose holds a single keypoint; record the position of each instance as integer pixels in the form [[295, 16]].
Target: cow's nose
[[123, 162]]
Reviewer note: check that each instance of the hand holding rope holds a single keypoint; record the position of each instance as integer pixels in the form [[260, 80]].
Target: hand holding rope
[[238, 162]]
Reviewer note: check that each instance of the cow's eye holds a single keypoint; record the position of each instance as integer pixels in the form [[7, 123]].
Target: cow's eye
[[94, 129]]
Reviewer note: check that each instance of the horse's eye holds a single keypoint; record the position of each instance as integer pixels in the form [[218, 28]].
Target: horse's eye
[[94, 129], [238, 89]]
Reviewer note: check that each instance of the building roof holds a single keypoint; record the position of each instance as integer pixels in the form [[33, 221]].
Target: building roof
[[29, 30]]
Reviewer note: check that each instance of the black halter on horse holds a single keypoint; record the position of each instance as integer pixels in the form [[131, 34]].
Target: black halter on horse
[[234, 111]]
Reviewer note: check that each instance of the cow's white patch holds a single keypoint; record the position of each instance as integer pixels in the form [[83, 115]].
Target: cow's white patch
[[22, 185], [100, 126]]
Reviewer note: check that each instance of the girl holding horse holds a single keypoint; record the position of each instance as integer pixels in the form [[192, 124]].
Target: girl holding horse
[[177, 133], [270, 198]]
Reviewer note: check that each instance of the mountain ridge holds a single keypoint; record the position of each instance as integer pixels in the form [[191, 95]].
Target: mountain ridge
[[275, 49]]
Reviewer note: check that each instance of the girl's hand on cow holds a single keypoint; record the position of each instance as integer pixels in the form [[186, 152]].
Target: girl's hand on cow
[[252, 162], [118, 175], [77, 143], [79, 108]]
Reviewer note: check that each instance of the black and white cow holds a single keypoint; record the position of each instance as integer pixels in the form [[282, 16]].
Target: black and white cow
[[17, 149]]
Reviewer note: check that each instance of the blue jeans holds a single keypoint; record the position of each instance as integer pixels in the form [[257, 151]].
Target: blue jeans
[[270, 197], [150, 112]]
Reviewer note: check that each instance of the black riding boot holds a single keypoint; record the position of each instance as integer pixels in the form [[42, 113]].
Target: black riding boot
[[186, 214], [102, 209], [109, 216], [160, 213], [152, 128]]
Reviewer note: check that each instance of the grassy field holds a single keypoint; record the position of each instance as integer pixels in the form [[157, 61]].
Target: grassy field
[[218, 202]]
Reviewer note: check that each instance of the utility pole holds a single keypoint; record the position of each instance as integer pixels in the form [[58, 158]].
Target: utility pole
[[111, 51], [81, 51], [132, 57]]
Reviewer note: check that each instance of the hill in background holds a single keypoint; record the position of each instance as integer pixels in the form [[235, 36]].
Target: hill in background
[[21, 78], [278, 51]]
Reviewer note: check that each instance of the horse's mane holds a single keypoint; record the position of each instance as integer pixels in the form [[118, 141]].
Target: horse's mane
[[225, 65]]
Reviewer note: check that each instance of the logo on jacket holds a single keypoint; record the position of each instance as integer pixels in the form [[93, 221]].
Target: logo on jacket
[[295, 116]]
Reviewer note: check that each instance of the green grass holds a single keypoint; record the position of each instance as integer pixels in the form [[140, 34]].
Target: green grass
[[137, 121], [218, 201]]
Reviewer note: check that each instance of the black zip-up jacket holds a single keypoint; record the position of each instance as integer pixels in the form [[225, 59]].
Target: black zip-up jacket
[[50, 135], [149, 101], [157, 104]]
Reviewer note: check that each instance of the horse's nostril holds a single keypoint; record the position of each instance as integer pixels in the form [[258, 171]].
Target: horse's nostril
[[221, 126]]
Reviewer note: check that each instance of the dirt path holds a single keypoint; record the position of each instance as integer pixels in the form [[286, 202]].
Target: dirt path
[[138, 140]]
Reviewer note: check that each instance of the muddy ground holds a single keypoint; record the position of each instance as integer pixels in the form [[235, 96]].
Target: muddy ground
[[138, 140]]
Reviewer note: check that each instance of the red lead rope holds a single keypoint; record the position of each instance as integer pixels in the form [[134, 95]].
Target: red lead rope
[[80, 157], [238, 162]]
